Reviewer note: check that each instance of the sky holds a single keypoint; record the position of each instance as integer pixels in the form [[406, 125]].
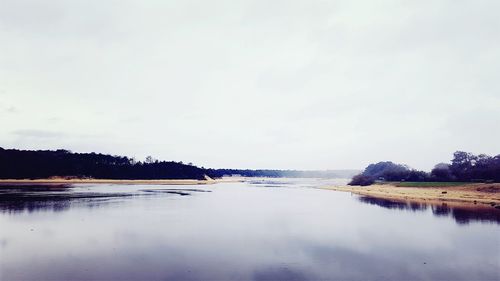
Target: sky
[[253, 84]]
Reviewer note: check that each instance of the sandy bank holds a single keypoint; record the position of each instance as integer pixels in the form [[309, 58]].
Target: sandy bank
[[105, 181], [470, 193]]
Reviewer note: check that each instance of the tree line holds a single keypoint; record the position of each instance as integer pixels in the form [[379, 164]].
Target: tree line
[[464, 167], [39, 164], [26, 164]]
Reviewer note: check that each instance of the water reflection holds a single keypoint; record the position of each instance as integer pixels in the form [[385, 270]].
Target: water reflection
[[280, 273], [462, 214], [182, 192], [270, 183], [58, 198], [234, 231], [296, 182]]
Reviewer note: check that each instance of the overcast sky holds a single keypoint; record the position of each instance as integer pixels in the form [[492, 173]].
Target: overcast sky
[[253, 84]]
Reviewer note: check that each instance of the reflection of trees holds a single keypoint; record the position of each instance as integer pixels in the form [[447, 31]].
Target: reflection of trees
[[50, 203], [56, 199], [441, 210], [34, 206], [15, 201], [462, 215], [467, 215], [391, 204]]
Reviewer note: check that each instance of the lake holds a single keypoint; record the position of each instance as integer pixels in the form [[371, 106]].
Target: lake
[[277, 229]]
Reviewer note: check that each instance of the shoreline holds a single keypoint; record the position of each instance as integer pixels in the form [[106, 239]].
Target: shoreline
[[6, 182], [487, 194]]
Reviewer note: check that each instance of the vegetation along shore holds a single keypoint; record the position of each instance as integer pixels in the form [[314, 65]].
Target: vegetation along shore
[[44, 164], [472, 179]]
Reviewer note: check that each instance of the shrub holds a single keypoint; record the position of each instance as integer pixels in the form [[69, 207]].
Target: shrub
[[362, 180]]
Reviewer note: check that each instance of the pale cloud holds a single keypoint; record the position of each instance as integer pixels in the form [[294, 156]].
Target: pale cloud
[[37, 134], [259, 84], [11, 109]]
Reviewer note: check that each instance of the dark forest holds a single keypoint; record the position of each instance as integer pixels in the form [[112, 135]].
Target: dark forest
[[25, 164]]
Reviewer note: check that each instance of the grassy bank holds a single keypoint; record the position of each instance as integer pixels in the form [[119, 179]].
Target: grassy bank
[[427, 184]]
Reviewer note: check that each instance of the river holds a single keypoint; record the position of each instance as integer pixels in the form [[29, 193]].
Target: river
[[276, 229]]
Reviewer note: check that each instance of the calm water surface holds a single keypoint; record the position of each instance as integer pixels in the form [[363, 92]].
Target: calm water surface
[[256, 230]]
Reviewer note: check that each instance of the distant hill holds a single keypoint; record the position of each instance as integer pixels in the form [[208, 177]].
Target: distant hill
[[38, 164]]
